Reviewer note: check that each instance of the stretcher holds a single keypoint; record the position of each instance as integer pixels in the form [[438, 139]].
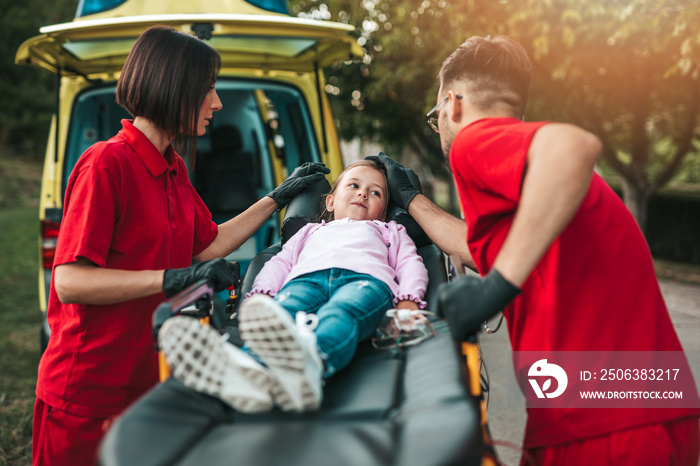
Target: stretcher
[[417, 405]]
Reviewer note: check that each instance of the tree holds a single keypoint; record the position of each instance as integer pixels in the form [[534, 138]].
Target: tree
[[27, 97], [387, 95], [626, 70]]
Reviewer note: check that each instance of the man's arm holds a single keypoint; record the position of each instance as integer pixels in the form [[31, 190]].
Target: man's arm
[[560, 166], [449, 233], [561, 159]]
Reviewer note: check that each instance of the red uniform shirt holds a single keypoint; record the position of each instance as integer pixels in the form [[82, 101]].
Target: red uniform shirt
[[594, 290], [126, 207]]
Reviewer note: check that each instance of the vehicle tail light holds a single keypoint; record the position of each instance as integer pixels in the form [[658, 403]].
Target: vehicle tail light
[[49, 237]]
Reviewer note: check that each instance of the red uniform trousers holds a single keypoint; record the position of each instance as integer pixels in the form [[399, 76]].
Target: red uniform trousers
[[675, 443], [61, 438]]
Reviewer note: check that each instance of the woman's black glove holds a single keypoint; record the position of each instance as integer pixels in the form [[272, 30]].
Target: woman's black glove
[[469, 301], [218, 272], [400, 186], [304, 175]]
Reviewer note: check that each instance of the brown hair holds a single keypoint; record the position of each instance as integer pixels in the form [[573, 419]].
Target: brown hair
[[329, 216], [498, 68], [165, 79]]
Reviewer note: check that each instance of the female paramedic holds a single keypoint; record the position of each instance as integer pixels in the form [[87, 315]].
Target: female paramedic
[[132, 223]]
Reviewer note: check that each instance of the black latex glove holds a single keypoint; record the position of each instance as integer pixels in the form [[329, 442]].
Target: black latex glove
[[219, 273], [469, 301], [304, 175], [400, 186]]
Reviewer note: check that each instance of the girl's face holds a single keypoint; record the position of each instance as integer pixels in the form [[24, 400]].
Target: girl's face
[[361, 194], [211, 104]]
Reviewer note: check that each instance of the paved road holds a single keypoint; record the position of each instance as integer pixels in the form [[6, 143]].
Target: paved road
[[506, 409]]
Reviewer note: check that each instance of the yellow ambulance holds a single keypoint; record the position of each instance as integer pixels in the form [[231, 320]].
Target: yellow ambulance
[[275, 112]]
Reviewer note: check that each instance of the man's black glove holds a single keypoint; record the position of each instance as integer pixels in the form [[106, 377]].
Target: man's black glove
[[400, 186], [470, 301], [304, 175], [218, 272]]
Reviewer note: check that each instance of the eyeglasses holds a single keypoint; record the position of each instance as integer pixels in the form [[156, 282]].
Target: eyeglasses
[[433, 115]]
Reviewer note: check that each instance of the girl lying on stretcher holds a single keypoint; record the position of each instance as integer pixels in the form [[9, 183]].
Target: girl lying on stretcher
[[310, 305]]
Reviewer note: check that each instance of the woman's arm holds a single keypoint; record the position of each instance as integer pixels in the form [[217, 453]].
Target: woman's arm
[[235, 232], [86, 283]]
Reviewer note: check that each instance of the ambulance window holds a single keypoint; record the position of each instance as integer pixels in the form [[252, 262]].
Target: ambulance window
[[95, 117]]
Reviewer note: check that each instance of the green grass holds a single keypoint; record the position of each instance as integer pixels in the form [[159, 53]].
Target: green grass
[[20, 180], [19, 332]]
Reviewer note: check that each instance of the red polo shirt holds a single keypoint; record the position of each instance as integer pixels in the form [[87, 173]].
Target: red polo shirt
[[126, 207], [594, 290]]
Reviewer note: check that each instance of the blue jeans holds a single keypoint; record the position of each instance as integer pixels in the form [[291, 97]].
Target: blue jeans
[[349, 306]]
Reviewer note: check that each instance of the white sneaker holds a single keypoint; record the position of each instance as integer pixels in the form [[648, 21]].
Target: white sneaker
[[204, 361], [288, 350]]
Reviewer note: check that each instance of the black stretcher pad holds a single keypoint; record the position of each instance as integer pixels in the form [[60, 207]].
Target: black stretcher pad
[[386, 408]]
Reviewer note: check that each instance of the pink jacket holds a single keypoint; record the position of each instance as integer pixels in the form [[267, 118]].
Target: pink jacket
[[382, 250]]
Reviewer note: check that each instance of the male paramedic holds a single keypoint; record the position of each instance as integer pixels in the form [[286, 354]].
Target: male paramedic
[[557, 252]]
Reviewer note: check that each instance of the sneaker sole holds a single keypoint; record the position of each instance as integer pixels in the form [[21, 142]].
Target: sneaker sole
[[198, 358], [269, 331]]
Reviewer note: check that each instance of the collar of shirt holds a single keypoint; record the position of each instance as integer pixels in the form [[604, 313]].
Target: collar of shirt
[[349, 220], [156, 162]]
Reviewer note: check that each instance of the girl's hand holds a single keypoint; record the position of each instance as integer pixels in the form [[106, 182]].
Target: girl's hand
[[407, 304]]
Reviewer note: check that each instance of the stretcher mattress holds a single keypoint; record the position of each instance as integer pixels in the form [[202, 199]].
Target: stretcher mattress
[[394, 407]]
